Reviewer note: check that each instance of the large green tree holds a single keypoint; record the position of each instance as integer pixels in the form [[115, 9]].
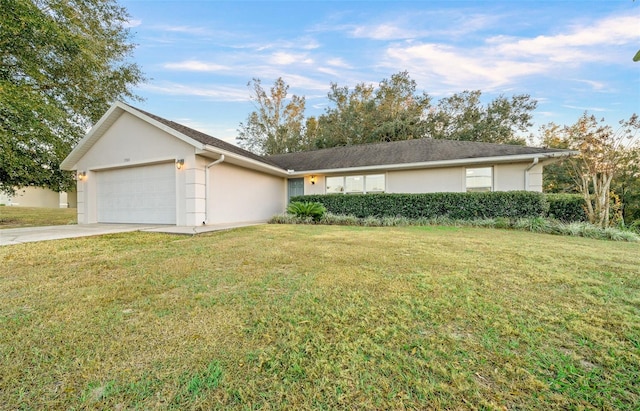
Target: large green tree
[[607, 164], [277, 125], [390, 112], [463, 116], [62, 63]]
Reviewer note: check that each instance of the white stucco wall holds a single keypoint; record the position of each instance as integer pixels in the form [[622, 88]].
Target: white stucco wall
[[535, 178], [39, 197], [432, 180], [240, 195], [131, 142], [317, 188], [506, 177]]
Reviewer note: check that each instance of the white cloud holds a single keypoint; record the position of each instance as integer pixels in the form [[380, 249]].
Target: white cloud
[[582, 44], [384, 31], [457, 67], [304, 43], [186, 30], [425, 24], [502, 60], [338, 63], [581, 108], [216, 93], [195, 65], [132, 23], [283, 58], [595, 85]]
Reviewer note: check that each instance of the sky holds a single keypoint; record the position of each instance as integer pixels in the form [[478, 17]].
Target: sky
[[570, 56]]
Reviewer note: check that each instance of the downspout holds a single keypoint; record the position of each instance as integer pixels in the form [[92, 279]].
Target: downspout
[[526, 173], [206, 188]]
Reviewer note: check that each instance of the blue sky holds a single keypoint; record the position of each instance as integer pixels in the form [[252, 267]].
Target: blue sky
[[570, 56]]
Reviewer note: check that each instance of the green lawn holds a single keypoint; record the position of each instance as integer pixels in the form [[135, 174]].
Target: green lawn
[[318, 317], [16, 217]]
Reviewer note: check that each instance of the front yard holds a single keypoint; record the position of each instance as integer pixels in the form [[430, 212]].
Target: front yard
[[322, 317], [17, 217]]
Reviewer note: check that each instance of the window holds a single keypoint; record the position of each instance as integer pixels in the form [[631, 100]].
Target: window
[[480, 179], [354, 184], [374, 183], [335, 185]]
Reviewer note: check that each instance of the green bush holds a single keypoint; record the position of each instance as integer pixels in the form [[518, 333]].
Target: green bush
[[463, 206], [566, 207], [307, 209], [535, 224]]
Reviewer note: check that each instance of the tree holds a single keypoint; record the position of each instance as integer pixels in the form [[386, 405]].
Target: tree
[[557, 177], [393, 111], [608, 158], [463, 117], [277, 125], [627, 184], [62, 63]]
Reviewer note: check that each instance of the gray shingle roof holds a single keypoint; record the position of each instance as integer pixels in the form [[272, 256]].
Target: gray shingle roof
[[376, 154], [400, 152], [207, 139]]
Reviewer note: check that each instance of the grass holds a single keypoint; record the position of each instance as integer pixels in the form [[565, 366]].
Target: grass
[[536, 225], [17, 217], [321, 317]]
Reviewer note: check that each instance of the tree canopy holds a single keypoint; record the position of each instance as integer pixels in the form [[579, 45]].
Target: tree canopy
[[278, 124], [62, 63], [391, 111], [607, 164], [462, 116]]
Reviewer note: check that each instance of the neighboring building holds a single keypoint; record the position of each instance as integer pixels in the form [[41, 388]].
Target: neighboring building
[[39, 197], [135, 167]]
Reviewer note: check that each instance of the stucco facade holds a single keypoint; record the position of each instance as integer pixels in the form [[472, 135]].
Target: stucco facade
[[506, 177], [39, 197], [238, 194], [136, 167], [133, 159]]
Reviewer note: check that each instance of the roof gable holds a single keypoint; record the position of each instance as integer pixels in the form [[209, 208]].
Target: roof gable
[[193, 137], [399, 154]]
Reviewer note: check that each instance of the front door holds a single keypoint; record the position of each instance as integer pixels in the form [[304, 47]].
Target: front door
[[296, 187]]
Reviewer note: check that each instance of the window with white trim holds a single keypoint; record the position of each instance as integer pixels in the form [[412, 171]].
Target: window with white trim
[[479, 179], [359, 184]]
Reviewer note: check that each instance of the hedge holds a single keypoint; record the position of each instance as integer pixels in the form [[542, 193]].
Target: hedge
[[463, 206], [567, 207]]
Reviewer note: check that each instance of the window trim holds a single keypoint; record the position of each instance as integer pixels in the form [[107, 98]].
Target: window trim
[[364, 184], [479, 189]]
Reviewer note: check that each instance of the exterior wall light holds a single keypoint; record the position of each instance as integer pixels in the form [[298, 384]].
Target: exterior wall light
[[82, 175], [312, 179], [180, 164]]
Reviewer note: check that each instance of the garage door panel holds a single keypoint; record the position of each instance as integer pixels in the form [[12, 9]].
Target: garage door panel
[[145, 194]]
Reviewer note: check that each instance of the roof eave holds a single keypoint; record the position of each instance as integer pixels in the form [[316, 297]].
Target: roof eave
[[440, 163], [246, 162], [106, 121]]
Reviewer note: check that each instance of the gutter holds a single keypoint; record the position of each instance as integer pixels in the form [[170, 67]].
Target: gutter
[[526, 173], [247, 162], [206, 188], [435, 164]]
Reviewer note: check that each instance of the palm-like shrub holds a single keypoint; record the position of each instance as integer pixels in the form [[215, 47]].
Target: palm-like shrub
[[307, 209]]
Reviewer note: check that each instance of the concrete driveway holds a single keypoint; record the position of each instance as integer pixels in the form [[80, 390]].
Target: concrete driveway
[[30, 234]]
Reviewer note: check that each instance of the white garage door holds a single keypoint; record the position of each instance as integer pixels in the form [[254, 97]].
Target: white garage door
[[145, 194]]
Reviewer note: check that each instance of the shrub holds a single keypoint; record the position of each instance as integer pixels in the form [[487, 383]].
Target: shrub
[[566, 207], [463, 206], [307, 209], [333, 219], [634, 226]]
